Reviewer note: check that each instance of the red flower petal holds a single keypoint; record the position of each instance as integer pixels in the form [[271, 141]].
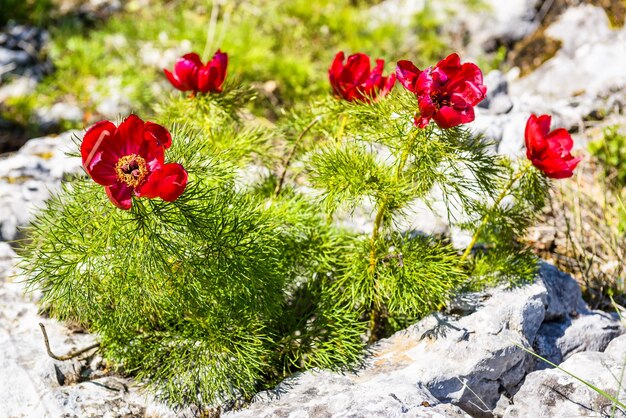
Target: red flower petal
[[168, 183], [173, 80], [544, 124], [193, 58], [407, 74], [102, 169], [211, 77], [450, 64], [208, 80], [153, 154], [120, 195], [94, 139], [427, 107], [221, 58], [129, 135], [448, 117], [469, 83], [420, 121], [555, 168], [560, 141], [534, 135], [186, 71], [159, 134], [334, 72], [388, 85], [355, 81], [357, 69], [549, 151], [425, 85]]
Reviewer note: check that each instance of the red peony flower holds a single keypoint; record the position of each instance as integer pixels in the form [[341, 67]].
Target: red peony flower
[[211, 77], [185, 76], [549, 151], [129, 159], [355, 81], [190, 74], [446, 93]]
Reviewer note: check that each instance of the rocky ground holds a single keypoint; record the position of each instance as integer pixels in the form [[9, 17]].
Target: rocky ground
[[472, 362], [468, 361]]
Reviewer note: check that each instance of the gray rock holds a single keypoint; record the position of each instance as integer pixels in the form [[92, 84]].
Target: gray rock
[[563, 297], [584, 76], [7, 259], [34, 385], [51, 118], [324, 394], [21, 52], [583, 80], [474, 361], [559, 340], [496, 23], [588, 61], [17, 58], [93, 10], [29, 176], [21, 86], [553, 393], [497, 100], [500, 105]]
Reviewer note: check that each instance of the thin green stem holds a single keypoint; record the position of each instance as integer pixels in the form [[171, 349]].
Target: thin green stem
[[211, 29], [342, 127], [380, 214], [485, 220], [378, 221], [375, 231], [287, 163]]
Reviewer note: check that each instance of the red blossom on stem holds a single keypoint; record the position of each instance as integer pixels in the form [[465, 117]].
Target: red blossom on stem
[[354, 80], [446, 93], [129, 159], [191, 75], [549, 151]]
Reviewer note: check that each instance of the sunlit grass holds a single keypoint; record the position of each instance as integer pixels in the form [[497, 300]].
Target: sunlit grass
[[282, 48]]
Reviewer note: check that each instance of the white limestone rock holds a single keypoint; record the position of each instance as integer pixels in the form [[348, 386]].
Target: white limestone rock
[[473, 362], [555, 394]]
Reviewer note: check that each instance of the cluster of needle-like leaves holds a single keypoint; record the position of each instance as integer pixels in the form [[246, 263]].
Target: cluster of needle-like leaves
[[238, 284]]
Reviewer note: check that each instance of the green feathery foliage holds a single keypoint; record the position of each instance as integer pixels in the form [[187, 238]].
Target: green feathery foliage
[[238, 284], [219, 118], [192, 295], [372, 154], [501, 227]]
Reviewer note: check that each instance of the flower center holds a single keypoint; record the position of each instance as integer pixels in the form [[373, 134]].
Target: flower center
[[440, 100], [132, 170]]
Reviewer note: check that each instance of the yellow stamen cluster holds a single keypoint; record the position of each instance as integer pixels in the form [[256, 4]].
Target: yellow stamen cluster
[[132, 170]]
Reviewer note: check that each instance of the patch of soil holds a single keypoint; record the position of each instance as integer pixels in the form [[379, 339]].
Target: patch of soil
[[532, 51]]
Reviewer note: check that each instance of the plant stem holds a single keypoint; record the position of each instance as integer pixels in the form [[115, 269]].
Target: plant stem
[[344, 121], [380, 216], [68, 356], [383, 206], [497, 202], [281, 180], [375, 230], [211, 29]]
